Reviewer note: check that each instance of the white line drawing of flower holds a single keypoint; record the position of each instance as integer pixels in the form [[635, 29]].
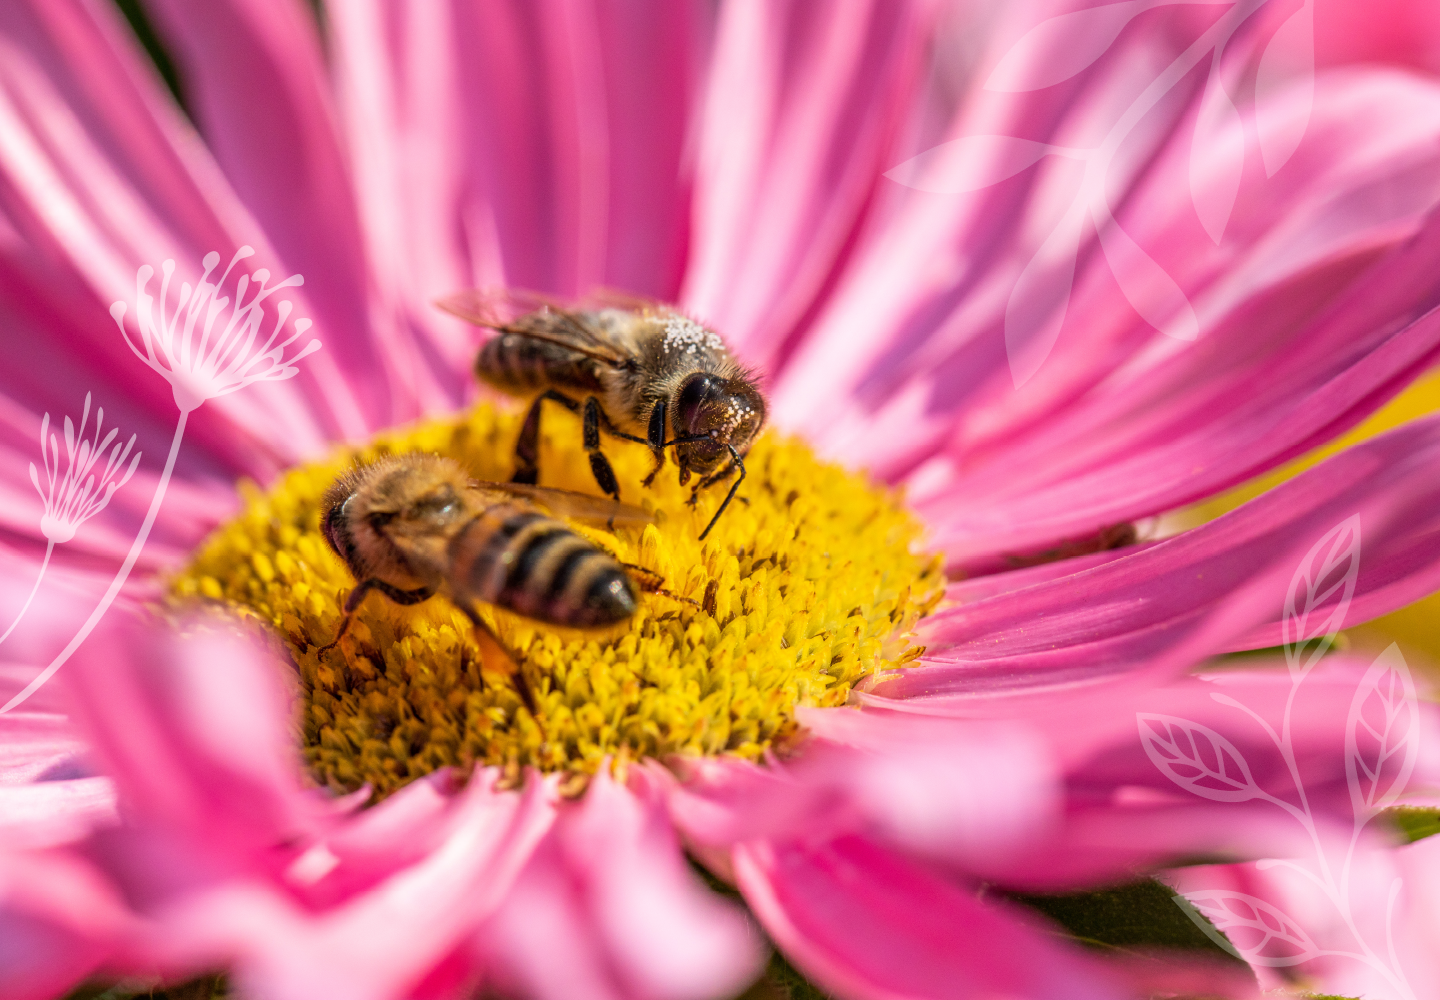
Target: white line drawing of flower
[[203, 362], [1382, 733], [1057, 49], [80, 493], [202, 358]]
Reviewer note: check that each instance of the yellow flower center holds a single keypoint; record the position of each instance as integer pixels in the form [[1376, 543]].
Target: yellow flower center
[[807, 587]]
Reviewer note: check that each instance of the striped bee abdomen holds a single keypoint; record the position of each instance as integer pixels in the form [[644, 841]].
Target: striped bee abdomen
[[531, 564], [521, 365]]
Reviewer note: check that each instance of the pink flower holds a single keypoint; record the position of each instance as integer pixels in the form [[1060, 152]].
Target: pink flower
[[735, 163]]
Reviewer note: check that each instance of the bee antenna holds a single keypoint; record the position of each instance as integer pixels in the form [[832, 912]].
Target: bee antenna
[[739, 464]]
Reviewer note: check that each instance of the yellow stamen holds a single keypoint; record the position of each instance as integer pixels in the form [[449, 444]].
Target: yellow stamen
[[807, 588]]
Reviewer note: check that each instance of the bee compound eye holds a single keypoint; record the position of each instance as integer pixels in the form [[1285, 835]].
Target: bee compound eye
[[332, 525], [698, 390], [611, 598]]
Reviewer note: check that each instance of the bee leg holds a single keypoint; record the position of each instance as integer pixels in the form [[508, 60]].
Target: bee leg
[[527, 446], [490, 642], [358, 594], [736, 462], [655, 438], [599, 464]]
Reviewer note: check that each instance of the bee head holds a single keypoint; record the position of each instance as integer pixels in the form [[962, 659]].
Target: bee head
[[720, 411]]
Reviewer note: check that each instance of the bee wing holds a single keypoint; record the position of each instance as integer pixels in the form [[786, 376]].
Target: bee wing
[[566, 503], [615, 298], [531, 314]]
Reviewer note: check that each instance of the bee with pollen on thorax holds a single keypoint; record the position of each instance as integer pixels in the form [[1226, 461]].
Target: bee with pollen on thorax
[[642, 371], [415, 525]]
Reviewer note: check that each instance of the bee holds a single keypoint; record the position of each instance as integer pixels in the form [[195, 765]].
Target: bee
[[412, 526], [643, 373]]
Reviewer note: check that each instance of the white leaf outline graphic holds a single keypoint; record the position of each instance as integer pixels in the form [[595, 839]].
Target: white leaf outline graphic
[[1170, 753], [1370, 791], [1146, 285], [1059, 47], [1269, 920], [1338, 546], [972, 162], [1279, 138], [1038, 302], [1218, 143]]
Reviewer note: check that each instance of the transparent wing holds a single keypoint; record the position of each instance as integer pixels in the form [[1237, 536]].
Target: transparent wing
[[531, 314], [581, 506]]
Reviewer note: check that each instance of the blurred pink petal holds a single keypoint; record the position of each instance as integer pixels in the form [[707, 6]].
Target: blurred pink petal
[[57, 919], [866, 922], [613, 890], [198, 735], [1391, 906]]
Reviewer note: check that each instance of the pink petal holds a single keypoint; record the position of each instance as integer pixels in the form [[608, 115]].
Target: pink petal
[[58, 922], [101, 176], [1220, 586], [57, 811], [801, 115], [255, 78], [950, 790], [532, 146], [380, 944], [196, 732], [1389, 900], [616, 889], [954, 791], [865, 923], [1125, 812]]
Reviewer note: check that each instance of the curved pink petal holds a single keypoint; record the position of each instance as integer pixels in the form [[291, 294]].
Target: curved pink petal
[[196, 732], [99, 176], [1310, 317], [866, 923], [1127, 810], [802, 112], [954, 791], [59, 921], [380, 944], [614, 890], [535, 146], [1377, 940], [1215, 588], [254, 76]]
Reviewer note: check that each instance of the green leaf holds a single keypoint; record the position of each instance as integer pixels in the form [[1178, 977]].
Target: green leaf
[[1139, 914], [1414, 823]]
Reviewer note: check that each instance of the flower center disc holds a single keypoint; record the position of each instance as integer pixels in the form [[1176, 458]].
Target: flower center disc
[[807, 588]]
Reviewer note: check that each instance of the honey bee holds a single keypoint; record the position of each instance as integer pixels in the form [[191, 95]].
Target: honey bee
[[643, 372], [413, 526]]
